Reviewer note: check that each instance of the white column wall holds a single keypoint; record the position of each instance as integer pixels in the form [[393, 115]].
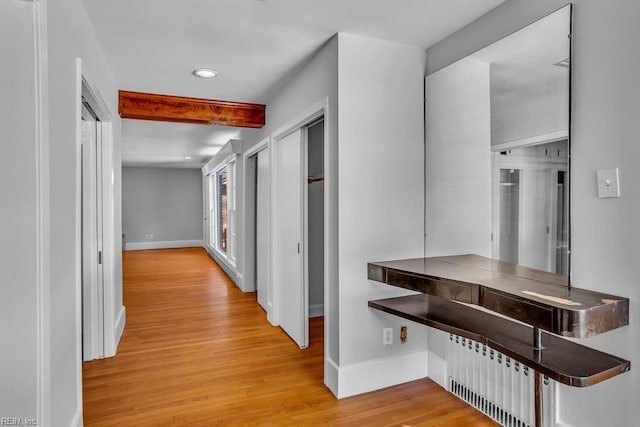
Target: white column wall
[[381, 190], [71, 36]]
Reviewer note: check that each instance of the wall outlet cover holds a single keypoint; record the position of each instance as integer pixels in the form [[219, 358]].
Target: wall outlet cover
[[387, 336]]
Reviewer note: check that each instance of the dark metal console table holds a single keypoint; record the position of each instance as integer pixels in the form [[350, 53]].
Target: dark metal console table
[[535, 297]]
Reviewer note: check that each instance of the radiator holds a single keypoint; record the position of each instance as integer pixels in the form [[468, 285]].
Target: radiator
[[496, 385]]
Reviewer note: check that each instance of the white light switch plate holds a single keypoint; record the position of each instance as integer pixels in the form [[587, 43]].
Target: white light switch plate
[[608, 183]]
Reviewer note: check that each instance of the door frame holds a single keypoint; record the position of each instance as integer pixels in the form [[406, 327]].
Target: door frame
[[92, 290], [308, 116], [249, 219], [522, 163], [43, 224], [113, 324]]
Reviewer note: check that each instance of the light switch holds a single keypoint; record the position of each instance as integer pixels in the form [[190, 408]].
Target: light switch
[[608, 183]]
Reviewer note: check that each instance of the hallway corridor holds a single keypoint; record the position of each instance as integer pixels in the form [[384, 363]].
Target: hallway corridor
[[198, 351]]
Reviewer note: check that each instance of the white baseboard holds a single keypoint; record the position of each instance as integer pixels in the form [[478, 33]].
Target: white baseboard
[[140, 246], [376, 374], [224, 264], [316, 310], [438, 370], [111, 344], [120, 322], [240, 283], [331, 376], [270, 316], [76, 421]]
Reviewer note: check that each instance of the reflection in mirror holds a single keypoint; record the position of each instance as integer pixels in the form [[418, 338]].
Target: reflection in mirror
[[497, 155]]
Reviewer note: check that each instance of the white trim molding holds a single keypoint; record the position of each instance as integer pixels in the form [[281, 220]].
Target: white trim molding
[[43, 256], [76, 421], [223, 263], [316, 310], [376, 374], [261, 145], [119, 328], [141, 246], [533, 140]]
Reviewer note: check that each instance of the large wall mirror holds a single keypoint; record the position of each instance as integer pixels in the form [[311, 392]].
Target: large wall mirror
[[497, 155]]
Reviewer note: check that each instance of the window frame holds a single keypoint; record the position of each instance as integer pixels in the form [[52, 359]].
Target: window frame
[[215, 230]]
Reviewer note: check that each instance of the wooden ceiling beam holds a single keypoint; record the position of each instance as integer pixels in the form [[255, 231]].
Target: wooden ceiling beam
[[179, 109]]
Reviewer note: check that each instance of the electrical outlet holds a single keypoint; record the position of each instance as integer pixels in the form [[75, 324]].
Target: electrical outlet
[[387, 336]]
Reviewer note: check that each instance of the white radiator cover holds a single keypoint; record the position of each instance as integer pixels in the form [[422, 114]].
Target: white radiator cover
[[496, 385]]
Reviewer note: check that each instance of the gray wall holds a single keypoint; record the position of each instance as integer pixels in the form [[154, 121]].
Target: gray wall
[[165, 203], [604, 232]]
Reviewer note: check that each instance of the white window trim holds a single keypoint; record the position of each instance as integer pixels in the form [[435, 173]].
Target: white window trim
[[212, 182]]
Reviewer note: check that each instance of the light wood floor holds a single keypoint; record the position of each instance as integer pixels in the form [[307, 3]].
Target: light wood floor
[[197, 351]]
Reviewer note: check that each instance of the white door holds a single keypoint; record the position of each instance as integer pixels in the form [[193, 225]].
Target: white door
[[262, 229], [292, 300], [535, 224], [92, 283]]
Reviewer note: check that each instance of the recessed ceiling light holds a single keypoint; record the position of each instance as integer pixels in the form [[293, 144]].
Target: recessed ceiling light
[[187, 157], [205, 73]]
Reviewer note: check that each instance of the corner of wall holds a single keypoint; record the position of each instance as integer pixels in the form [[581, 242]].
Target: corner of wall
[[437, 370], [331, 370]]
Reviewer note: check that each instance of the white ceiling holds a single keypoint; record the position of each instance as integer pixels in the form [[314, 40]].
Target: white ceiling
[[153, 45]]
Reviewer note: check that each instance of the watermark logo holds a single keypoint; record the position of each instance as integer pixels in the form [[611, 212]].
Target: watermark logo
[[18, 421]]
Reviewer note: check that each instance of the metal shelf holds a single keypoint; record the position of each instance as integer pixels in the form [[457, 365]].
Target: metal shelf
[[560, 359], [536, 297]]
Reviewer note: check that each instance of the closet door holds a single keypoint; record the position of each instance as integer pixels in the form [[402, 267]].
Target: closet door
[[292, 294]]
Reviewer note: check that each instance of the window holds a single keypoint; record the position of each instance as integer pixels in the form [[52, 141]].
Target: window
[[222, 209]]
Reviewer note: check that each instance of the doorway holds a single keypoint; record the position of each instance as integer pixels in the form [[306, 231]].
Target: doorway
[[315, 217], [298, 244], [101, 315], [91, 230], [530, 223]]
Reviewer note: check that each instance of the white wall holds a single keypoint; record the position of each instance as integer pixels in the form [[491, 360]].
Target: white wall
[[374, 179], [314, 81], [19, 211], [604, 232], [162, 205], [381, 187], [70, 36], [458, 162]]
